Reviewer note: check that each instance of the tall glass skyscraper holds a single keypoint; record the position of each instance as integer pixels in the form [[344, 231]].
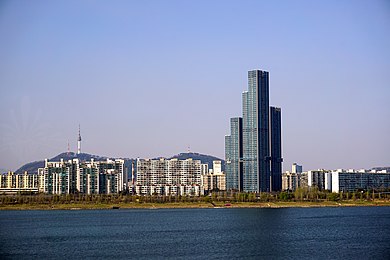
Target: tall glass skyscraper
[[255, 129], [275, 122], [259, 145], [233, 155]]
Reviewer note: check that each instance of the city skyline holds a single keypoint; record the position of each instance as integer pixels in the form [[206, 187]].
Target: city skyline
[[152, 79]]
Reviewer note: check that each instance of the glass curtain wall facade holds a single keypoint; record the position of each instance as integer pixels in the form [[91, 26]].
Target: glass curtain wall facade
[[256, 169], [233, 155], [276, 148], [253, 150]]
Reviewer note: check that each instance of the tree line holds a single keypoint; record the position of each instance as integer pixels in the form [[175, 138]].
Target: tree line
[[299, 195]]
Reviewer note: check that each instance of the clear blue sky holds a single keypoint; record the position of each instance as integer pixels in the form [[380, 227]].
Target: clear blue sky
[[150, 78]]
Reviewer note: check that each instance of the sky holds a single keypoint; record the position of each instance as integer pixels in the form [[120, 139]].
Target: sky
[[156, 78]]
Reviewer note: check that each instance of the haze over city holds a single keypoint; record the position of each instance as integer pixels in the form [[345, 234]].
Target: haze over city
[[152, 78]]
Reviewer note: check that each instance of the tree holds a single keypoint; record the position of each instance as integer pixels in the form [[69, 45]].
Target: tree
[[284, 196], [299, 193], [333, 196]]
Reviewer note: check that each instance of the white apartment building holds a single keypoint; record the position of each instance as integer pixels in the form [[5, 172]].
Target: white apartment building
[[215, 179], [168, 177], [316, 178], [354, 180], [290, 181], [338, 180], [90, 177], [294, 179], [15, 182]]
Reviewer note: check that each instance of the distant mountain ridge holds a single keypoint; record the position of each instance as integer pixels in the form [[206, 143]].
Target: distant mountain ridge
[[32, 167]]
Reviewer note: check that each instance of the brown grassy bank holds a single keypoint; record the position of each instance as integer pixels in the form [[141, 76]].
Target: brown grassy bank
[[149, 205]]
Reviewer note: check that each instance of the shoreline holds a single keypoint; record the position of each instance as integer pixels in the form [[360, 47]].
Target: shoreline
[[189, 205]]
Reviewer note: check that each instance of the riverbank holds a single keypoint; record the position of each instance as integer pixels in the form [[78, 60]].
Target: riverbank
[[173, 205]]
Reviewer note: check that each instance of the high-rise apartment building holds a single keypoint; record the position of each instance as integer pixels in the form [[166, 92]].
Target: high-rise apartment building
[[353, 180], [168, 177], [18, 182], [290, 181], [258, 137], [89, 177], [215, 179], [233, 155], [316, 178]]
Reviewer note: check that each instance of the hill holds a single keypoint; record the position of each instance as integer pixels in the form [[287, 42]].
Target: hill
[[32, 167]]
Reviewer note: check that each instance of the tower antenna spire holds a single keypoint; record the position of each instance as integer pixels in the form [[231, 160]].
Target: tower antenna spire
[[79, 142]]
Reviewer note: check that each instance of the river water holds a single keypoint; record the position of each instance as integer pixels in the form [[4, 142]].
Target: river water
[[293, 233]]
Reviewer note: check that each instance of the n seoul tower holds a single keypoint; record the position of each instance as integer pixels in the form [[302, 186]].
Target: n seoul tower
[[79, 142]]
